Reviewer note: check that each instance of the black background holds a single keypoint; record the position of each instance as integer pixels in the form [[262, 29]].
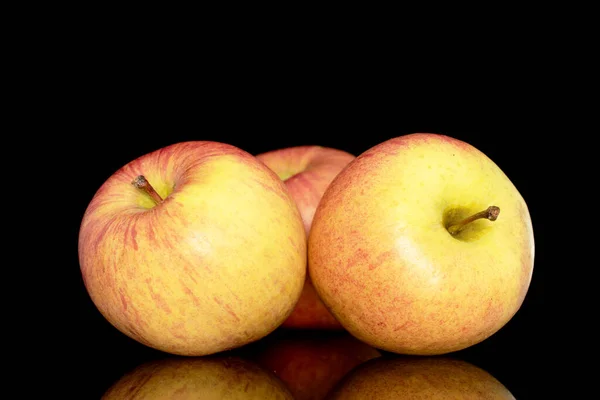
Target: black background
[[124, 122]]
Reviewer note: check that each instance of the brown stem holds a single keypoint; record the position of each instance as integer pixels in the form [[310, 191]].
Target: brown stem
[[490, 213], [141, 183]]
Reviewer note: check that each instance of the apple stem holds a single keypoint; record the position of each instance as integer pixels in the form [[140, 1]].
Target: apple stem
[[141, 182], [490, 213]]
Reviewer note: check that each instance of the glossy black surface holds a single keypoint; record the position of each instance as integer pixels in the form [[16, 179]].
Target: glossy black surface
[[516, 355]]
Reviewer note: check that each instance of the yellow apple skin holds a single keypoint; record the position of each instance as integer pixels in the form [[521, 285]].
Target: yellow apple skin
[[383, 262], [220, 263], [311, 366], [307, 171], [419, 378], [209, 378]]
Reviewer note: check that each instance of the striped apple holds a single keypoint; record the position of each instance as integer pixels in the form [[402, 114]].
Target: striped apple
[[193, 249], [307, 171]]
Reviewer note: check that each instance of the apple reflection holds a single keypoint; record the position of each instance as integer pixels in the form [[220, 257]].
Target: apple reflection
[[214, 377], [419, 378], [311, 366]]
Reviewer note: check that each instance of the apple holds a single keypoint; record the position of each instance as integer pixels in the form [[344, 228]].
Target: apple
[[311, 366], [419, 378], [193, 249], [211, 377], [405, 253], [307, 171]]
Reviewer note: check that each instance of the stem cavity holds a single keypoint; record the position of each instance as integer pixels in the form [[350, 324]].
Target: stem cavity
[[491, 213], [140, 182]]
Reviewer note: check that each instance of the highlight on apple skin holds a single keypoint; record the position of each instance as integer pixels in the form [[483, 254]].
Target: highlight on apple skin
[[409, 377], [307, 171], [205, 252], [209, 378], [422, 245]]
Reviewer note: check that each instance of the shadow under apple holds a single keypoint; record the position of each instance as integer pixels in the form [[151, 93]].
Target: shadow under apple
[[310, 363]]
